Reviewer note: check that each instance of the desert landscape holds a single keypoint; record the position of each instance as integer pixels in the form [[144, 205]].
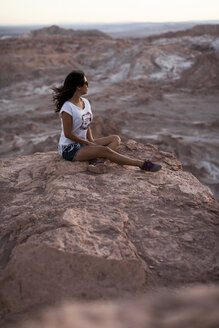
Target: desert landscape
[[162, 89], [67, 234]]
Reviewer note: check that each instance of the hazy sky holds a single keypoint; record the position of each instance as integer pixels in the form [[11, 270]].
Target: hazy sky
[[18, 12]]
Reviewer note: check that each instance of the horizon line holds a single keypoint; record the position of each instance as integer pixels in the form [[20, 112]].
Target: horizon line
[[108, 23]]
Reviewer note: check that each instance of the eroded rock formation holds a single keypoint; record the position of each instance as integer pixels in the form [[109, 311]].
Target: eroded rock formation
[[162, 89], [69, 234]]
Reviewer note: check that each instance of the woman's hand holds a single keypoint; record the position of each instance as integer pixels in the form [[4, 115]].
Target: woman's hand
[[89, 143]]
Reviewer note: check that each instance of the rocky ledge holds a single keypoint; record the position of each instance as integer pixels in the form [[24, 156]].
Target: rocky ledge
[[67, 233]]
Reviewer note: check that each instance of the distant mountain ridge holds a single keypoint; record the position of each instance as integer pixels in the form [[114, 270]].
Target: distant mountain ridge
[[142, 30], [55, 30], [197, 30], [116, 30]]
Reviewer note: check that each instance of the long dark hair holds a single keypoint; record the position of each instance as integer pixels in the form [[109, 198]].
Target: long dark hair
[[65, 92]]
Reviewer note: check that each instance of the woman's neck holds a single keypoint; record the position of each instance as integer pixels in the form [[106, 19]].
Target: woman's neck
[[77, 101], [76, 98]]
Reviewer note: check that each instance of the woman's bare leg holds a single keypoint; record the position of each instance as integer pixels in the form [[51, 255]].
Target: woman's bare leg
[[112, 141], [92, 152]]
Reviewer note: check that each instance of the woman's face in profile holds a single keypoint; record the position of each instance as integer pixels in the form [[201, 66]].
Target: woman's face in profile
[[84, 88]]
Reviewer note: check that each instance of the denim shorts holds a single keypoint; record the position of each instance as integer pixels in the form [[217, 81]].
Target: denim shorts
[[68, 152]]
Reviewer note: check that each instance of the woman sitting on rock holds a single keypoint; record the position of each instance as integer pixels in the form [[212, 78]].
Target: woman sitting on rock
[[76, 141]]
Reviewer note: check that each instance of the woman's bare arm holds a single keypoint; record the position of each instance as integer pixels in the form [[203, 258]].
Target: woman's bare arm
[[90, 135], [67, 126]]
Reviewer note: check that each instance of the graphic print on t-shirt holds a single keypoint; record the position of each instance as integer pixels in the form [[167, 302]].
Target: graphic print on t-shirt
[[86, 119]]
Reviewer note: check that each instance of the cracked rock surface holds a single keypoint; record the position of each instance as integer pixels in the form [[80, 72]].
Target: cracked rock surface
[[66, 233]]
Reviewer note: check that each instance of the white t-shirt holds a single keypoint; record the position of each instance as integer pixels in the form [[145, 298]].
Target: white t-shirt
[[81, 120]]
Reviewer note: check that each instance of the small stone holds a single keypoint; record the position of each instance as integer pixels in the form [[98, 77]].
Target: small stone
[[187, 237]]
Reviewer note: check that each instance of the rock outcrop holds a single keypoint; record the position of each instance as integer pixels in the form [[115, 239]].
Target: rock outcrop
[[69, 234], [204, 73]]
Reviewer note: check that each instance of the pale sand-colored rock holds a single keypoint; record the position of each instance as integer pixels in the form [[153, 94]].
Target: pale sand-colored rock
[[68, 233], [195, 307]]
